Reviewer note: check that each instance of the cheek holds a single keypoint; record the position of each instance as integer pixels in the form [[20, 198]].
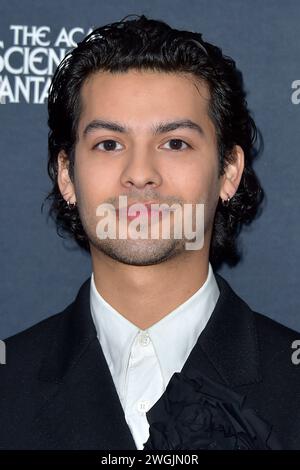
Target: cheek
[[94, 181], [196, 181]]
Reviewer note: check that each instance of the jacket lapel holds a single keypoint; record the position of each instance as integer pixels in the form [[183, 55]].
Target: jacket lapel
[[227, 349], [82, 409]]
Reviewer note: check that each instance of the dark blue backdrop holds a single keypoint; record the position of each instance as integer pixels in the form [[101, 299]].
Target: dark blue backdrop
[[40, 273]]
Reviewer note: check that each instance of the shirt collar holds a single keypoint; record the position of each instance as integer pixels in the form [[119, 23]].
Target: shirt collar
[[173, 336]]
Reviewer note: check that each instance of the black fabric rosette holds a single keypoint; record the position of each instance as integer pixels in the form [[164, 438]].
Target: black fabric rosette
[[196, 413]]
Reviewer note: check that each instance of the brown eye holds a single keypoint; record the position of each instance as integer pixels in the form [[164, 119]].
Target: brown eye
[[109, 145], [176, 144]]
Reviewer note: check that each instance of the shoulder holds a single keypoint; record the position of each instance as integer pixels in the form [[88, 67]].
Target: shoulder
[[35, 340], [280, 332], [25, 349], [39, 330], [277, 344], [275, 393], [259, 339], [274, 338]]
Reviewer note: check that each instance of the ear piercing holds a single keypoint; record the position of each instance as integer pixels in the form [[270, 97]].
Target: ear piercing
[[70, 204], [225, 202]]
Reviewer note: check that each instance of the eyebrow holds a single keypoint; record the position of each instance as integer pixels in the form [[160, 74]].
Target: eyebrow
[[159, 128]]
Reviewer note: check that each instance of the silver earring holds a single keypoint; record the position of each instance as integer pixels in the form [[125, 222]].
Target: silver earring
[[71, 205], [225, 202]]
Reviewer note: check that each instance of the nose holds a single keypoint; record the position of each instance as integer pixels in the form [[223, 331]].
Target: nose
[[140, 171]]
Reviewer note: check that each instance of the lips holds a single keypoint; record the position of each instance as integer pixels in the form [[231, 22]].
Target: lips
[[146, 203], [147, 210]]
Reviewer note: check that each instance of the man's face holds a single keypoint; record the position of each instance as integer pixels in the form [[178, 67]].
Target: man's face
[[177, 166]]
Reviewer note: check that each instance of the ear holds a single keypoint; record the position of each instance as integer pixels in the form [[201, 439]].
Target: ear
[[233, 174], [63, 178]]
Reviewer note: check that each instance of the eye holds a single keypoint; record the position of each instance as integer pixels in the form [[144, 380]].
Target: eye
[[176, 144], [109, 145]]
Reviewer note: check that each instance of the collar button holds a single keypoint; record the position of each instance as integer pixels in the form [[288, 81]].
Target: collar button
[[144, 339]]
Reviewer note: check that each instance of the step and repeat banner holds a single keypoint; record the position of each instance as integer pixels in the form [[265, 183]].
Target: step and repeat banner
[[41, 272]]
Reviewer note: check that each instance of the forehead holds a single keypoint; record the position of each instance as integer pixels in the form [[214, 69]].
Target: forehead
[[139, 97]]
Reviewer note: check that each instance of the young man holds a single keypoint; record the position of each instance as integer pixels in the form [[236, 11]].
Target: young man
[[156, 351]]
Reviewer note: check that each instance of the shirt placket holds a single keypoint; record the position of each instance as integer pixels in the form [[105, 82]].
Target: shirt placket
[[144, 385]]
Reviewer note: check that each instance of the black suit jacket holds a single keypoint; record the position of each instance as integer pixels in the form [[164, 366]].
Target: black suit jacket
[[57, 391]]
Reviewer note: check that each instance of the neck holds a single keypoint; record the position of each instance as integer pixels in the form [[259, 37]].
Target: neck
[[145, 294]]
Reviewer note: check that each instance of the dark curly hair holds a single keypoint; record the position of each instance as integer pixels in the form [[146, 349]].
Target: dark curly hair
[[143, 43]]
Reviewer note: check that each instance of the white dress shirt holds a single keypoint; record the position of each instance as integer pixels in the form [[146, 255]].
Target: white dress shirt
[[142, 362]]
